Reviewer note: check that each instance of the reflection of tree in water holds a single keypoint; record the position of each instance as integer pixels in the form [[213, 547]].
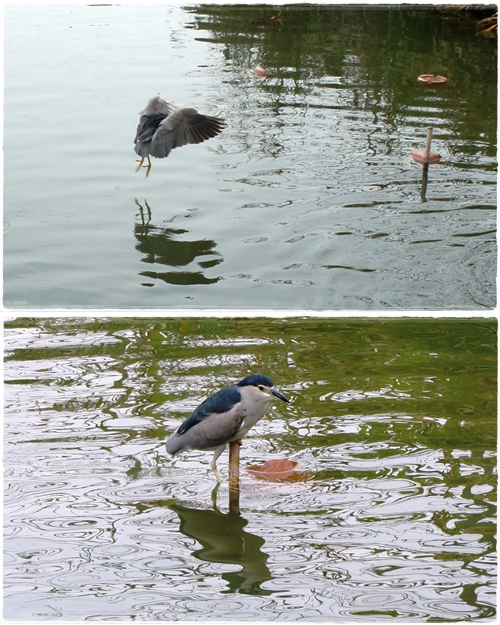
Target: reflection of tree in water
[[359, 57], [313, 41], [162, 246]]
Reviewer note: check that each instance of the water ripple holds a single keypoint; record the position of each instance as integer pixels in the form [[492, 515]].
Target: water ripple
[[396, 519]]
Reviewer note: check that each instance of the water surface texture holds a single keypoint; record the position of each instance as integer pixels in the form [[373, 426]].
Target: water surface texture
[[308, 199], [394, 422]]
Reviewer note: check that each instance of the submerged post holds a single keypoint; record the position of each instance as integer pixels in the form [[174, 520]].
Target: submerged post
[[234, 477], [425, 174]]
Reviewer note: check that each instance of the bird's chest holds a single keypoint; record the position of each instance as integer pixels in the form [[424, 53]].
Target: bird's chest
[[250, 414]]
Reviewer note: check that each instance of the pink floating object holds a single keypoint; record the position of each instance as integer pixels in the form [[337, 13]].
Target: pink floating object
[[419, 157], [432, 80], [426, 156], [260, 71], [279, 471]]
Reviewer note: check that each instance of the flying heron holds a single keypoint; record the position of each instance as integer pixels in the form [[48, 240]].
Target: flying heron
[[163, 126]]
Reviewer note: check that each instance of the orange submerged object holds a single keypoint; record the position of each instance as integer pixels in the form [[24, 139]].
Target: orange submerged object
[[419, 156], [426, 156], [279, 471], [432, 80]]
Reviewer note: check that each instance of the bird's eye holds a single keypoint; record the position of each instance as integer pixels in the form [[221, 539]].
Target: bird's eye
[[261, 388]]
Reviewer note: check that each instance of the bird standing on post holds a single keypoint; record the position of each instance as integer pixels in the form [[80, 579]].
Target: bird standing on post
[[163, 127], [224, 417]]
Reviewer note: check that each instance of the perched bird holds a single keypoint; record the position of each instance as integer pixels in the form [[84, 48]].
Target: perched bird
[[224, 417], [163, 127]]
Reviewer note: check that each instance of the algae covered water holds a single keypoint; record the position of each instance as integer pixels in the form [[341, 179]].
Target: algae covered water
[[394, 422]]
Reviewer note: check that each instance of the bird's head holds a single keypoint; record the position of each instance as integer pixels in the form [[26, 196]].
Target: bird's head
[[157, 105], [264, 385]]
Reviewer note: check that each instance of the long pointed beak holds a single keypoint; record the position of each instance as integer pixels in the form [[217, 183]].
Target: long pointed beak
[[279, 395]]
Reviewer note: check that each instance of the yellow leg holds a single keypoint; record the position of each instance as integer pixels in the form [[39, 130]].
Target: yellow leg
[[216, 473], [141, 163], [217, 453]]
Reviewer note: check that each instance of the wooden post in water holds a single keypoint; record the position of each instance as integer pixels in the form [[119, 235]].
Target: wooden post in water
[[234, 477], [427, 152], [425, 166]]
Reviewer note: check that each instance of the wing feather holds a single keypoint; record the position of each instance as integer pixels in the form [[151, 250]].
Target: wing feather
[[181, 127], [219, 403], [163, 127]]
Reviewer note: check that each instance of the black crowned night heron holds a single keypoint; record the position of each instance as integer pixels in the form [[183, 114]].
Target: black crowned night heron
[[163, 127], [224, 417]]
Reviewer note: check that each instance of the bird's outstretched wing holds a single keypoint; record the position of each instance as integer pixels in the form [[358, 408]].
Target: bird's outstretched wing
[[181, 127], [219, 403]]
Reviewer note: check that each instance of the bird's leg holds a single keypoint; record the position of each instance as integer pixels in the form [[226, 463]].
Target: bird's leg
[[148, 166], [213, 464], [214, 469]]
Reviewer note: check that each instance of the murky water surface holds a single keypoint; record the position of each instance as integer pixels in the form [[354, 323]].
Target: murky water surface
[[394, 421], [308, 199]]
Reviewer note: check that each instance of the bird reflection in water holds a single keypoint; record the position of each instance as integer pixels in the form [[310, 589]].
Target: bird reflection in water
[[223, 540], [161, 246]]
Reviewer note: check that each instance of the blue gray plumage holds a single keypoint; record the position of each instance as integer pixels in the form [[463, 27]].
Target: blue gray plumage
[[224, 417], [163, 127]]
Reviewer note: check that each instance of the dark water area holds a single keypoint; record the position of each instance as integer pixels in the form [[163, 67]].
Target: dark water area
[[394, 421], [307, 200]]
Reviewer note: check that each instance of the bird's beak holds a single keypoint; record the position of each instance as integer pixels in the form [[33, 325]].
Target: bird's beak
[[279, 395]]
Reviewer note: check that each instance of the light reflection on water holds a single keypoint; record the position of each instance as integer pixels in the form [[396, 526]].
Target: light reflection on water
[[396, 519], [307, 199]]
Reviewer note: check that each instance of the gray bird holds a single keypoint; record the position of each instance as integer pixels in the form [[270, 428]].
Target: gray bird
[[163, 127], [224, 417]]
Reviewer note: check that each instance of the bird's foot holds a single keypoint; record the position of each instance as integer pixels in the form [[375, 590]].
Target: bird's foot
[[148, 166]]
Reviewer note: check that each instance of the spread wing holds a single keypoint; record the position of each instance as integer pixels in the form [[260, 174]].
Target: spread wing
[[181, 127]]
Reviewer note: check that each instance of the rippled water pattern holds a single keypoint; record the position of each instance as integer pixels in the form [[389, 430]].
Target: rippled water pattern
[[395, 423], [308, 199]]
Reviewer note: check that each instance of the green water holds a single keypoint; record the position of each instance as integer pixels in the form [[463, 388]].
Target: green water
[[393, 420]]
